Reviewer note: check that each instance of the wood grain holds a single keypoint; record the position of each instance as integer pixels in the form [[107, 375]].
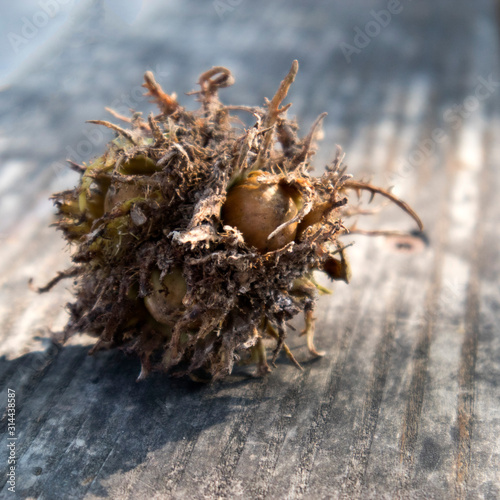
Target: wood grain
[[405, 402]]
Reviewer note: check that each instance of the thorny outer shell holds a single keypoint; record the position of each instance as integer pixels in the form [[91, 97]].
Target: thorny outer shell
[[161, 273]]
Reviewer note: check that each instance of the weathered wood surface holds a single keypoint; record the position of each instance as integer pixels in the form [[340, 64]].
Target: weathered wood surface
[[406, 402]]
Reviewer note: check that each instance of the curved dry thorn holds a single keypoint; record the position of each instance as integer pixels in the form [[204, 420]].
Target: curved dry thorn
[[336, 164], [167, 157], [138, 123], [307, 206], [274, 111], [155, 129], [240, 159], [302, 156], [284, 108], [75, 167], [309, 333], [282, 92], [350, 184], [286, 134], [319, 212], [309, 214], [69, 273], [367, 232], [166, 103], [351, 212], [272, 332], [210, 87], [116, 128], [225, 80], [118, 116], [256, 111], [175, 348], [262, 366], [143, 373]]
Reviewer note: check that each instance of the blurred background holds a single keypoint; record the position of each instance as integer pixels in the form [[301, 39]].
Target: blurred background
[[65, 61], [412, 92]]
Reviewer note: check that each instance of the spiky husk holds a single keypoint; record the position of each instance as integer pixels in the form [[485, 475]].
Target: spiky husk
[[149, 209]]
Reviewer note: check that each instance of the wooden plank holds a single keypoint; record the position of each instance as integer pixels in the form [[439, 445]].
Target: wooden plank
[[405, 402]]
